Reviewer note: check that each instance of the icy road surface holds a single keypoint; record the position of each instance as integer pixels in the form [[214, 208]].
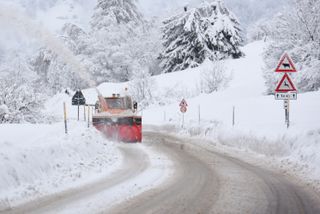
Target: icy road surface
[[201, 181]]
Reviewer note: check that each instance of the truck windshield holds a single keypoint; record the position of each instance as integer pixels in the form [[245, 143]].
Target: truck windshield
[[115, 103]]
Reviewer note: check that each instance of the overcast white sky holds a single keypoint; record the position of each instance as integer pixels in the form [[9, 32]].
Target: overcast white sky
[[161, 7]]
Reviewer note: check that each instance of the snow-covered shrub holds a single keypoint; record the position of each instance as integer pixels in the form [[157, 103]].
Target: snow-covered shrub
[[210, 31], [4, 112], [142, 87], [214, 77], [19, 101]]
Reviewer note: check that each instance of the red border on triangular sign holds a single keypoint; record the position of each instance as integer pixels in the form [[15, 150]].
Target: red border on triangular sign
[[293, 68], [285, 76], [183, 103]]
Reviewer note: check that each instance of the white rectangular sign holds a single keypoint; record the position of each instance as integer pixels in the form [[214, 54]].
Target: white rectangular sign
[[286, 96]]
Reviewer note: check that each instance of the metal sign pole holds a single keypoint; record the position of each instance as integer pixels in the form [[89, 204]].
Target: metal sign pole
[[285, 111], [88, 116], [288, 114], [182, 120], [78, 110]]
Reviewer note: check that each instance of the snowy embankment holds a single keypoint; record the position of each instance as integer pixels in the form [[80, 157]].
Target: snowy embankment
[[38, 160]]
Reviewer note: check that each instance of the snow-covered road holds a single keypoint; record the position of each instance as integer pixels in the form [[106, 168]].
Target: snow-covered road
[[209, 182], [200, 180]]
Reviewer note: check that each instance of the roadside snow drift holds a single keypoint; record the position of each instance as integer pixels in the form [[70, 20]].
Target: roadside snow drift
[[37, 160]]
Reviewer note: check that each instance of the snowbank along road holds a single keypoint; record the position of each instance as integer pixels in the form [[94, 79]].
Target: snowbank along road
[[203, 181]]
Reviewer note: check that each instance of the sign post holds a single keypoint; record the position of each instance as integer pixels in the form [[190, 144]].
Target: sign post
[[78, 100], [183, 108], [88, 116], [65, 117], [285, 89]]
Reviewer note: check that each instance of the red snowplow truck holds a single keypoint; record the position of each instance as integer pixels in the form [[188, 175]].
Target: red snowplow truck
[[117, 118]]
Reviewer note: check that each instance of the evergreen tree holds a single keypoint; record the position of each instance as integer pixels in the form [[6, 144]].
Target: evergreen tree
[[116, 24], [110, 13], [210, 31]]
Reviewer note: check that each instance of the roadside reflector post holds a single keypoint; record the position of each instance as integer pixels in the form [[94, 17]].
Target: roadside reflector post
[[84, 113], [65, 118], [233, 115], [78, 111], [88, 116], [199, 114]]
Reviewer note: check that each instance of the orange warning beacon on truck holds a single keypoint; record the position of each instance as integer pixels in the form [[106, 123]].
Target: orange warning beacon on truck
[[117, 118]]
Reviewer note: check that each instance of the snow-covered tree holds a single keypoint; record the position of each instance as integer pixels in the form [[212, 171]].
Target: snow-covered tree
[[110, 13], [19, 101], [54, 75], [210, 31], [75, 38], [296, 32], [117, 31]]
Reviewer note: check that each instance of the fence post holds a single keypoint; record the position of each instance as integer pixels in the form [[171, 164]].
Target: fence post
[[233, 115], [65, 118], [199, 114]]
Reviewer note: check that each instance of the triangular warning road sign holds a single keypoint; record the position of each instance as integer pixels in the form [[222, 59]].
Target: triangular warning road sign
[[286, 64], [285, 84], [183, 103]]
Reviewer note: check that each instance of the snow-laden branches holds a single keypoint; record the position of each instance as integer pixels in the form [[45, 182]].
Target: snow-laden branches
[[19, 101], [296, 31], [214, 77], [142, 88], [210, 31]]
